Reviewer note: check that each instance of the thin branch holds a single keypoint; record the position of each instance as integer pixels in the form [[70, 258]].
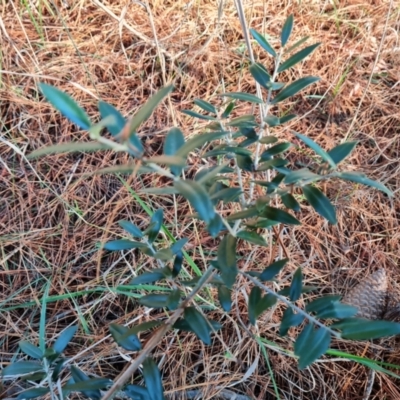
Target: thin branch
[[156, 338]]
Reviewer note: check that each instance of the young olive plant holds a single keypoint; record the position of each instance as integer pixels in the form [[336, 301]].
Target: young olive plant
[[244, 153]]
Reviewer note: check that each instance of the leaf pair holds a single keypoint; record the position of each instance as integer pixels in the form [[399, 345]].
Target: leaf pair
[[259, 303]]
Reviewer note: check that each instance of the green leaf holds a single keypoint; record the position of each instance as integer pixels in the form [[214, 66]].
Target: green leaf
[[243, 96], [248, 213], [295, 287], [340, 152], [199, 141], [277, 149], [174, 299], [273, 163], [130, 228], [164, 254], [272, 270], [145, 326], [359, 177], [286, 118], [119, 121], [147, 277], [145, 111], [124, 244], [320, 203], [224, 297], [198, 324], [80, 376], [254, 298], [311, 344], [265, 302], [205, 175], [252, 237], [172, 161], [226, 257], [260, 74], [280, 216], [227, 195], [90, 384], [205, 105], [297, 44], [66, 105], [226, 150], [245, 163], [154, 300], [322, 303], [31, 350], [177, 265], [244, 122], [183, 325], [314, 146], [263, 42], [178, 245], [299, 56], [303, 174], [272, 120], [136, 392], [197, 115], [305, 289], [289, 319], [70, 147], [294, 88], [22, 368], [362, 329], [33, 393], [337, 311], [124, 338], [152, 378], [215, 226], [268, 140], [197, 197], [173, 142], [135, 147], [290, 202], [155, 225], [65, 337], [229, 108], [287, 30]]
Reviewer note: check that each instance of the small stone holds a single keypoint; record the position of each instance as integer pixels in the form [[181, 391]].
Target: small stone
[[369, 296]]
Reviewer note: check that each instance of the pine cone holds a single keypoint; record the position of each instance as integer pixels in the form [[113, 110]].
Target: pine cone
[[370, 296]]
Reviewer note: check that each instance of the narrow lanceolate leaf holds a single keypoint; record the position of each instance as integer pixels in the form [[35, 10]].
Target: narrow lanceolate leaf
[[31, 350], [260, 74], [362, 329], [290, 202], [130, 228], [263, 42], [226, 257], [287, 30], [197, 115], [22, 368], [124, 244], [311, 344], [321, 303], [198, 324], [65, 337], [295, 287], [127, 340], [80, 376], [229, 108], [337, 310], [254, 298], [320, 203], [152, 378], [66, 105], [224, 297], [135, 146], [273, 163], [243, 96], [245, 163], [265, 302], [301, 55], [252, 237], [205, 105], [248, 213], [301, 175], [272, 270], [199, 141], [154, 300], [171, 161], [155, 225], [33, 393], [322, 153], [119, 121], [173, 142], [359, 177], [173, 299], [215, 226], [71, 147], [342, 151], [197, 197], [297, 44], [277, 149], [145, 111], [147, 277], [280, 216], [272, 120], [136, 392], [294, 88], [289, 319], [90, 384], [145, 326]]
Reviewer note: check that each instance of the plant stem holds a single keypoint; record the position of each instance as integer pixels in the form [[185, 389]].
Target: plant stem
[[290, 304], [156, 338]]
